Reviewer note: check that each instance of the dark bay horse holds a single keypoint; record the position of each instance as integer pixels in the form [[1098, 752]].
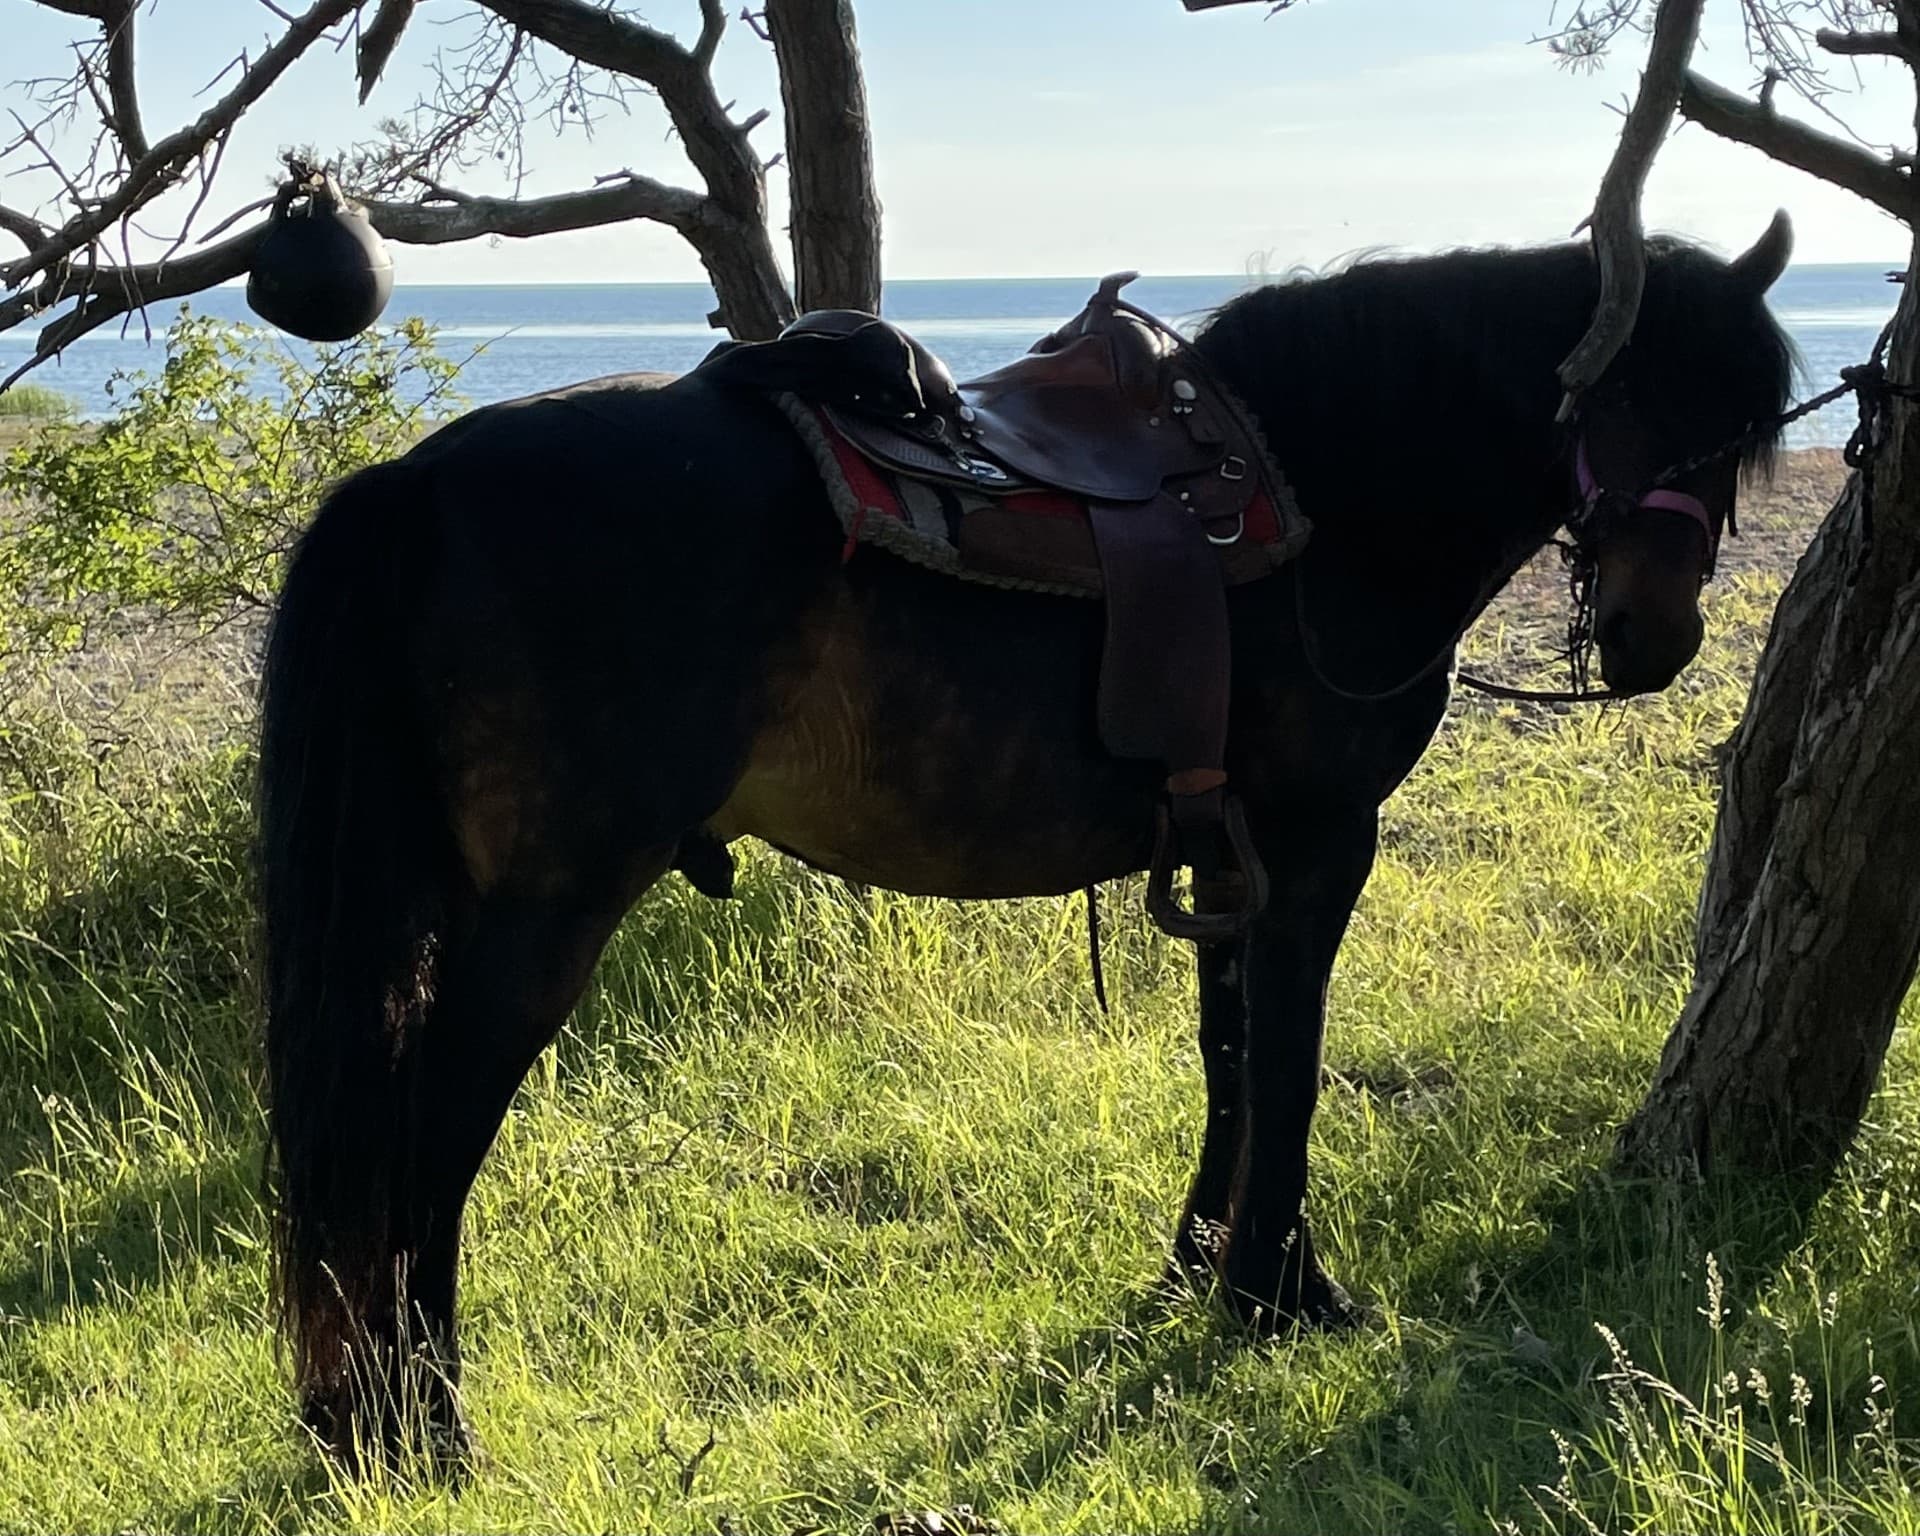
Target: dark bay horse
[[568, 642]]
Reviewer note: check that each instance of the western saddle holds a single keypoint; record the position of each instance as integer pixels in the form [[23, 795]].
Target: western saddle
[[1113, 410]]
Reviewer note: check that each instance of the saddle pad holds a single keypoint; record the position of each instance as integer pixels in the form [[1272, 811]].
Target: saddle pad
[[1025, 539]]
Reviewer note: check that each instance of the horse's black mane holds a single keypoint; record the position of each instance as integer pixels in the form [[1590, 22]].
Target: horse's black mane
[[1461, 347]]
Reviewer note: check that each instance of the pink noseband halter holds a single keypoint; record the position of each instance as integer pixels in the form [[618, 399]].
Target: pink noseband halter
[[1661, 499]]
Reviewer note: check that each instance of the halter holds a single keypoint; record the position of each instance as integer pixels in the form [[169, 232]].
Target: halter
[[1598, 504]]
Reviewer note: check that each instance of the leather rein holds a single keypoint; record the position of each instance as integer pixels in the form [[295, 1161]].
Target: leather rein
[[1596, 513]]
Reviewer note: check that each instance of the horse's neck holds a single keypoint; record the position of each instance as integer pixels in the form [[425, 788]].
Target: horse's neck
[[1429, 479], [1411, 543], [1397, 598]]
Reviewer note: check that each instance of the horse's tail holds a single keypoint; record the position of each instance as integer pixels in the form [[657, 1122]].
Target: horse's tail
[[352, 870]]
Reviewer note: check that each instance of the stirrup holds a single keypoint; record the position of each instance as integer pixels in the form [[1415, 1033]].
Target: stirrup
[[1239, 887]]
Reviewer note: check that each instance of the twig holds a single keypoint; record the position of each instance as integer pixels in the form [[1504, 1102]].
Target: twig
[[208, 174], [238, 214], [689, 1465]]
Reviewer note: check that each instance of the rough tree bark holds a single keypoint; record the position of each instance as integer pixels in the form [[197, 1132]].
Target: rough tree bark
[[836, 262], [1809, 920]]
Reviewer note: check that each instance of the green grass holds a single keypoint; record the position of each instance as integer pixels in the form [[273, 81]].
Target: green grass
[[37, 402], [866, 1191]]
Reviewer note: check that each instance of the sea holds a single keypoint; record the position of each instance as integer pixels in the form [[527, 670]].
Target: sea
[[517, 340]]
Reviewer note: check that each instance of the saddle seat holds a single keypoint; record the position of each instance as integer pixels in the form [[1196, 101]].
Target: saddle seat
[[1089, 411], [1107, 410]]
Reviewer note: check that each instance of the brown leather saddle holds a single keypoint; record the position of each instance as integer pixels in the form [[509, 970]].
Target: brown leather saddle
[[1113, 410]]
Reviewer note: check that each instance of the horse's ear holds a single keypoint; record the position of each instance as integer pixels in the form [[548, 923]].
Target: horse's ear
[[1760, 268]]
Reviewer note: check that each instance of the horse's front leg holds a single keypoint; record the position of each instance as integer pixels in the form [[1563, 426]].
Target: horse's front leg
[[1200, 1245], [1318, 860]]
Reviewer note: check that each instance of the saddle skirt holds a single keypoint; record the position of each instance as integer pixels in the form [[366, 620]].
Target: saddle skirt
[[1011, 533], [1002, 479]]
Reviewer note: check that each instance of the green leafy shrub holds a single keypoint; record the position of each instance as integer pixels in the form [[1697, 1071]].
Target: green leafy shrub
[[184, 502]]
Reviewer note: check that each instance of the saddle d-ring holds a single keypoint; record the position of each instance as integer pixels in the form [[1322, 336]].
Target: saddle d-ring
[[1239, 528]]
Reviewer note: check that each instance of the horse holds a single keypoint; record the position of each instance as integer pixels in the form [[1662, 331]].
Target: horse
[[570, 642]]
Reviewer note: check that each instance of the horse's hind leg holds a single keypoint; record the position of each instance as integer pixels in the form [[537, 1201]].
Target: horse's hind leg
[[507, 990]]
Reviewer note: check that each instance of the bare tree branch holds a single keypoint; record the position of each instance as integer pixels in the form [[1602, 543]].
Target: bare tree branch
[[161, 166], [101, 294], [1618, 237], [732, 238], [28, 230], [108, 292], [1890, 44], [447, 216], [377, 42], [610, 41], [1732, 116], [713, 25], [836, 209], [73, 271], [124, 119]]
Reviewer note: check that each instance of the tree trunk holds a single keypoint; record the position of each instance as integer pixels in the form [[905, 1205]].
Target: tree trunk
[[836, 211], [1809, 921], [738, 254]]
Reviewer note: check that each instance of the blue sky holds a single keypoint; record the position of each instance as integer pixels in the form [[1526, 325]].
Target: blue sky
[[1039, 137]]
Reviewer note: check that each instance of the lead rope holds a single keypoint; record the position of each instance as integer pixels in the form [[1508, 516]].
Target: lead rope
[[1867, 382], [1093, 949]]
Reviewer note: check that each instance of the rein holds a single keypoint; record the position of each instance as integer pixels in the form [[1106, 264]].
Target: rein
[[1867, 381]]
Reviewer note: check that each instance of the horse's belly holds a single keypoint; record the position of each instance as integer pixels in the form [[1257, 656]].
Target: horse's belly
[[886, 835], [941, 800]]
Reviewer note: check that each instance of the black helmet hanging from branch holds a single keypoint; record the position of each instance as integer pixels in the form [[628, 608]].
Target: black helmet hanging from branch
[[321, 271]]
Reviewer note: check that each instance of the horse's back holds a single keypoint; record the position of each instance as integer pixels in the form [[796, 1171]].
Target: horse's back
[[637, 437]]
